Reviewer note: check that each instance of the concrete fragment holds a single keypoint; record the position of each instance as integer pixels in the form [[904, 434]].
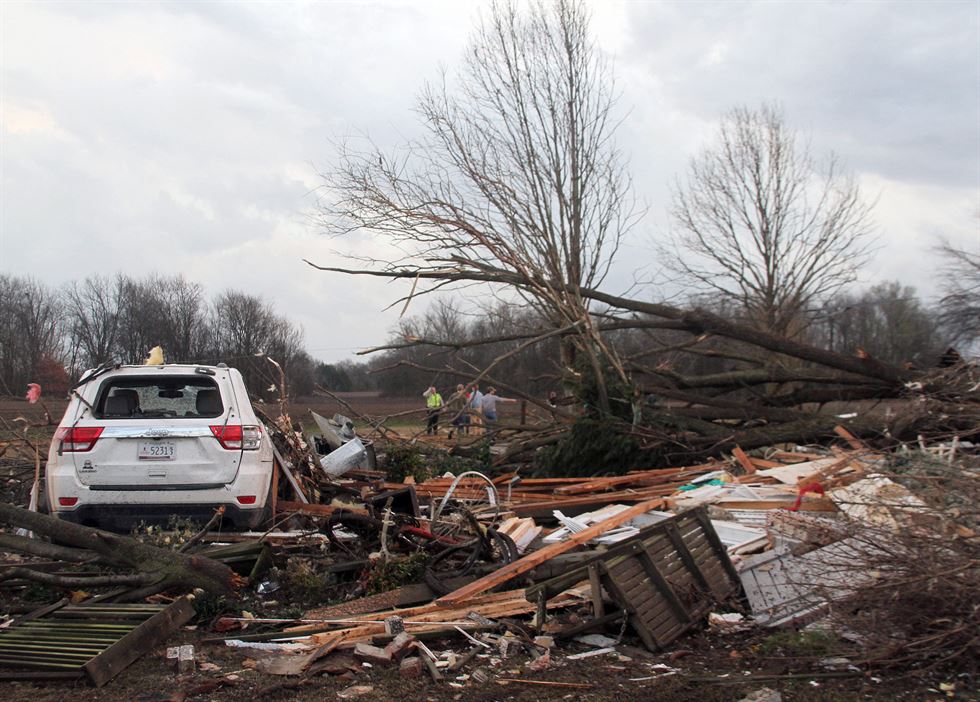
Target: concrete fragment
[[764, 694], [481, 676], [372, 654], [727, 623], [400, 646], [837, 663], [544, 641], [411, 667], [542, 662], [355, 691], [598, 640], [394, 625], [185, 659]]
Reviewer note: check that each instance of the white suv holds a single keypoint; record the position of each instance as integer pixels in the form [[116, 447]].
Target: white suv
[[142, 443]]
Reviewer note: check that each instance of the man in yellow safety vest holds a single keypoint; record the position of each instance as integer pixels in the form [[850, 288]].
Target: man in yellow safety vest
[[433, 402]]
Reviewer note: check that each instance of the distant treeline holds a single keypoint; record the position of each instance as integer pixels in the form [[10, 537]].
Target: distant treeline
[[50, 335], [888, 321]]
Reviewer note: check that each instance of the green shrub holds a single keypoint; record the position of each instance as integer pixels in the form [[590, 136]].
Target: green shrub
[[385, 576], [592, 447], [424, 462], [800, 644]]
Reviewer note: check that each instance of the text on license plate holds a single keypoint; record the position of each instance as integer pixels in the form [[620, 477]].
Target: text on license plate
[[157, 450]]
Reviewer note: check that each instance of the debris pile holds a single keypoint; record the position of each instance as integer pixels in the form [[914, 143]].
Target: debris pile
[[451, 576]]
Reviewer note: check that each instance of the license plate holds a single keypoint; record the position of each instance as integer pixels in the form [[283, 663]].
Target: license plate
[[157, 450]]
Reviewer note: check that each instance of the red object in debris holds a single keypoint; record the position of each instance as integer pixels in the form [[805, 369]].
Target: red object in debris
[[226, 624], [816, 488], [426, 534], [33, 392]]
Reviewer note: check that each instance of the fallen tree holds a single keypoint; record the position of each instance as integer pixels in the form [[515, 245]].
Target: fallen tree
[[776, 391], [151, 569], [517, 186]]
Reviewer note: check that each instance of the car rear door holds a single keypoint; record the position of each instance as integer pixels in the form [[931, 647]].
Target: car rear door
[[170, 440]]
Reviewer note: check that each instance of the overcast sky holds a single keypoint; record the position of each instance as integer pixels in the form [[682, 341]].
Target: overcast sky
[[185, 137]]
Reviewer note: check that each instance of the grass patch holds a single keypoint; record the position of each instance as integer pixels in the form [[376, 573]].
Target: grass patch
[[382, 577], [424, 462], [801, 644]]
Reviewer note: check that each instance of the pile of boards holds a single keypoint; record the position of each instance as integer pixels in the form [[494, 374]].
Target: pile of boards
[[653, 552]]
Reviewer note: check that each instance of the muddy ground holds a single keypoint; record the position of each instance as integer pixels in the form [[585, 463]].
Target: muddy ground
[[709, 667]]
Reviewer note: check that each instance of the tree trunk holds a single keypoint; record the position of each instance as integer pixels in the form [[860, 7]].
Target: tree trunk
[[169, 568]]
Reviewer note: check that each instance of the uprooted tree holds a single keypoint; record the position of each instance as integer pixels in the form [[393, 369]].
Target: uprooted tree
[[519, 187], [518, 172], [150, 569]]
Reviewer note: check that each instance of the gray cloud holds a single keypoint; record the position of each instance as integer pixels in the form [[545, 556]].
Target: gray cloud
[[185, 136]]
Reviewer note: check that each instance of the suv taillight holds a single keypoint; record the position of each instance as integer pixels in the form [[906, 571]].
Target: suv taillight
[[236, 437], [78, 439]]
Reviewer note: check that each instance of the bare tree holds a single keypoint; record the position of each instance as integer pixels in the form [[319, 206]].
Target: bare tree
[[760, 222], [183, 311], [961, 288], [887, 321], [30, 330], [243, 330], [93, 307], [519, 171]]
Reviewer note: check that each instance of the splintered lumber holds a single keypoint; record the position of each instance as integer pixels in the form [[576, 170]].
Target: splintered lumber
[[314, 510], [521, 531], [647, 477], [573, 506], [404, 596], [807, 472], [743, 460], [819, 504], [432, 617], [523, 565], [852, 441], [551, 683]]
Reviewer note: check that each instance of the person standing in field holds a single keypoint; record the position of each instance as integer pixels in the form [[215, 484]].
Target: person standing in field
[[474, 404], [433, 402], [458, 406], [489, 405]]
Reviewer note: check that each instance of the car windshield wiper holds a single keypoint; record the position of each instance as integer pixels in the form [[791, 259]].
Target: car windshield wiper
[[101, 370], [86, 379]]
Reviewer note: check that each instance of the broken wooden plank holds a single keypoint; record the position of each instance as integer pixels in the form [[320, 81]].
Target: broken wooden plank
[[852, 441], [523, 565], [743, 460], [316, 510], [139, 641], [819, 504]]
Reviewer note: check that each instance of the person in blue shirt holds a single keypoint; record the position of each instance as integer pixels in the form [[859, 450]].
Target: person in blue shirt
[[489, 404]]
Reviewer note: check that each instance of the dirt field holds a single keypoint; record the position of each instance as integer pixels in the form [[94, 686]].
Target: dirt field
[[400, 411], [722, 669], [704, 667]]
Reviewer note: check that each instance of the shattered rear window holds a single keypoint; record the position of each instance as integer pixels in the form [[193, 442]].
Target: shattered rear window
[[171, 397]]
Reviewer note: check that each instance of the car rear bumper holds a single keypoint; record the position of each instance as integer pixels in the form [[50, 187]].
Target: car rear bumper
[[122, 509]]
